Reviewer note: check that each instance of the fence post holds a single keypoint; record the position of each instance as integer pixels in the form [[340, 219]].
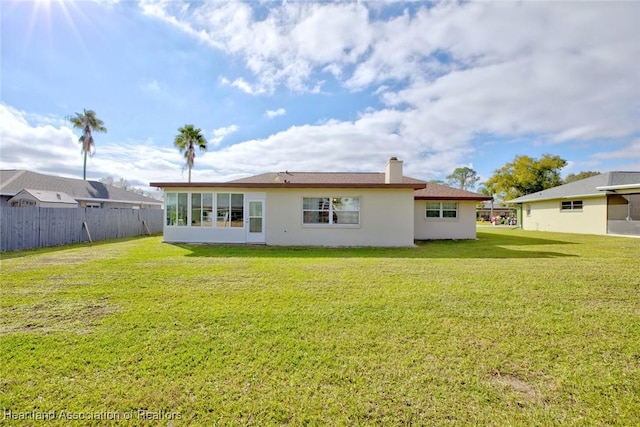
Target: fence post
[[86, 227]]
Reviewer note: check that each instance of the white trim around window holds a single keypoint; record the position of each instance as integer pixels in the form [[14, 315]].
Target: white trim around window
[[343, 211], [204, 209], [571, 205], [446, 210]]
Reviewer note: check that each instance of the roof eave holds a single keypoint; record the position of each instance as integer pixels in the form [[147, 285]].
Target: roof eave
[[129, 202], [413, 186], [545, 199], [472, 198]]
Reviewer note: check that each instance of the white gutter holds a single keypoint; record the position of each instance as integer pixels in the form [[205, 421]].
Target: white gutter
[[618, 187]]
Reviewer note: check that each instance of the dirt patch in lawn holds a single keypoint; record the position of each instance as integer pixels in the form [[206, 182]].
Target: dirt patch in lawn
[[525, 391], [56, 316]]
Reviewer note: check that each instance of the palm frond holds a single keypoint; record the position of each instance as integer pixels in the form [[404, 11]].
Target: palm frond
[[186, 140]]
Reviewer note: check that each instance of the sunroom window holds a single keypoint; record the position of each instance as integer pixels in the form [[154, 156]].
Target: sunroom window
[[201, 209], [176, 209], [230, 210]]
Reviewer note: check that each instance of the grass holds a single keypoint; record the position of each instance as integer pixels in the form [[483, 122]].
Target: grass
[[516, 328]]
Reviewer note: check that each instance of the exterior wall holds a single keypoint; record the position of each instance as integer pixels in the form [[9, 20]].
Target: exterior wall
[[386, 219], [462, 227], [547, 216]]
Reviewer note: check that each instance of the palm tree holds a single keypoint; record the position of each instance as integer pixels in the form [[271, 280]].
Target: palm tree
[[88, 122], [188, 138]]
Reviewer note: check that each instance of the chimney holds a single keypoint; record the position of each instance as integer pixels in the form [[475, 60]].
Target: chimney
[[393, 171]]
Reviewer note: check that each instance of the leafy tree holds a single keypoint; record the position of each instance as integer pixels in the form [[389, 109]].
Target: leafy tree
[[107, 180], [464, 178], [122, 183], [88, 122], [189, 137], [526, 175], [580, 175], [437, 181]]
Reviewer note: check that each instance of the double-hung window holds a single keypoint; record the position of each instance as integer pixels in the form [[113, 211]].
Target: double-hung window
[[331, 210], [447, 210], [571, 205]]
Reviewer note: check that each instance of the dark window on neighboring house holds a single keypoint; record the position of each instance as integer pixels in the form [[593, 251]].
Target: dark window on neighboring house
[[571, 205]]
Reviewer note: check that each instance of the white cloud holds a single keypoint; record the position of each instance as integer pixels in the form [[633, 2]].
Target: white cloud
[[283, 48], [220, 133], [628, 155], [361, 145], [30, 144], [558, 72], [243, 85], [275, 113], [152, 86], [508, 68]]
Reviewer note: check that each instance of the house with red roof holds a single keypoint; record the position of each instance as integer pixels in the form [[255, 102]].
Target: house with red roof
[[319, 209]]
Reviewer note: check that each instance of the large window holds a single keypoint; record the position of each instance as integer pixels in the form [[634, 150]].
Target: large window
[[571, 205], [230, 210], [198, 210], [331, 210], [176, 208], [441, 210], [201, 209]]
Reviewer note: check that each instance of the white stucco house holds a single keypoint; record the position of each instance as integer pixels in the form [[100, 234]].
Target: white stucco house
[[317, 209], [608, 203]]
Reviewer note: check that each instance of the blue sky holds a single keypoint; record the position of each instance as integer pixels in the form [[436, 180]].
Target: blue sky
[[326, 86]]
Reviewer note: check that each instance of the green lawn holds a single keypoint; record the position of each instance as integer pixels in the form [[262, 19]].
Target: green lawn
[[516, 328]]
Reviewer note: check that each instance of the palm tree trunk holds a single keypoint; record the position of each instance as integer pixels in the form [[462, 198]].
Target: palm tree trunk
[[189, 174], [84, 167]]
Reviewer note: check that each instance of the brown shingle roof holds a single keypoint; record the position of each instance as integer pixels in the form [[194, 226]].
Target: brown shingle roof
[[305, 180], [442, 192], [322, 178]]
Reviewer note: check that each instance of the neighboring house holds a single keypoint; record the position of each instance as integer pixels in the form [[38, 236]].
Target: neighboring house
[[311, 209], [42, 199], [608, 203], [90, 194], [489, 209]]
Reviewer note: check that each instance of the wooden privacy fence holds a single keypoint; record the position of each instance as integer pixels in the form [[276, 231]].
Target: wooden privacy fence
[[33, 227]]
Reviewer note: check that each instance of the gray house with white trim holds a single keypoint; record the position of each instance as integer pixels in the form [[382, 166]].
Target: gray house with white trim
[[87, 194]]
